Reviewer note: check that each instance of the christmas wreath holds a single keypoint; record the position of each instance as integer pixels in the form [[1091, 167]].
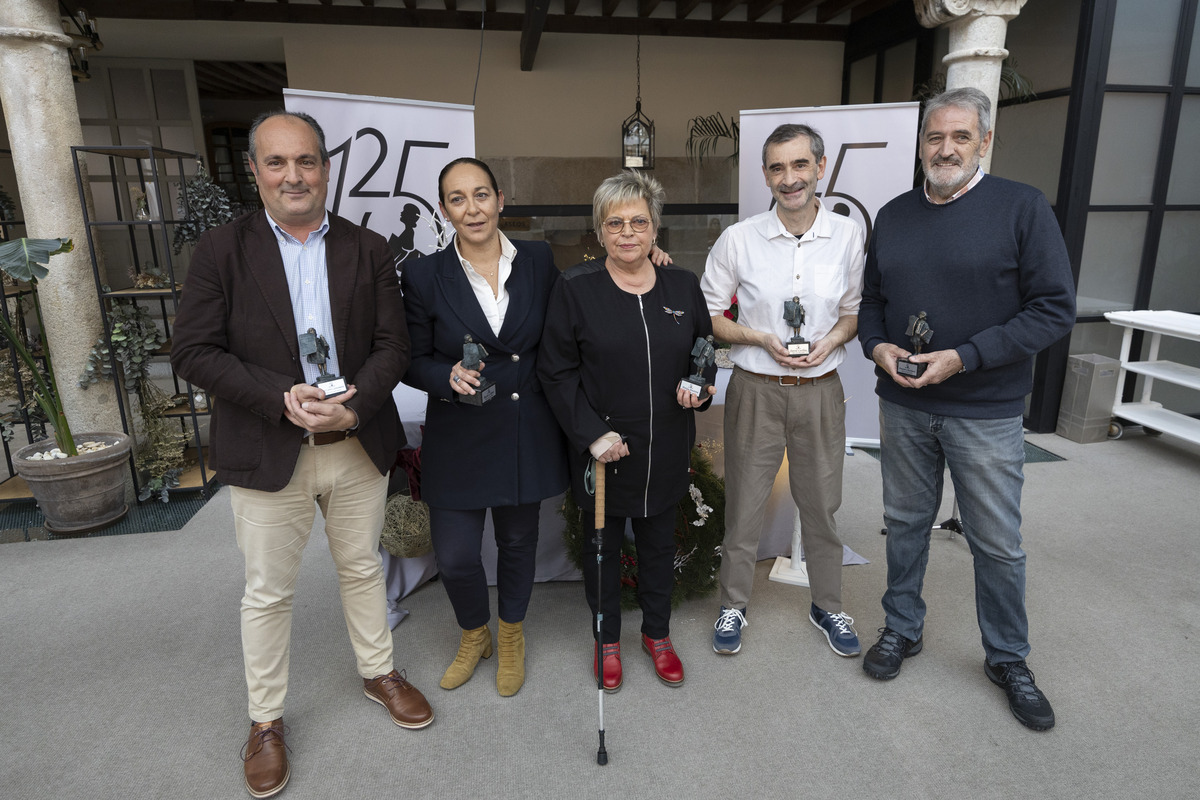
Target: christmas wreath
[[699, 530]]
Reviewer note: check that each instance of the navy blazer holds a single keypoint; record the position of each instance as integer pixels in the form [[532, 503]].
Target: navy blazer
[[509, 451], [235, 336]]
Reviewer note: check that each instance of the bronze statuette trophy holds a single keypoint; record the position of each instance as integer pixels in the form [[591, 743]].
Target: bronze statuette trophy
[[473, 355], [793, 315], [316, 350], [703, 356], [919, 334]]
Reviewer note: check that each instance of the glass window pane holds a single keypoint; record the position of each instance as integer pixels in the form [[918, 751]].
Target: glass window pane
[[1185, 167], [1143, 42], [1176, 286], [170, 94], [181, 139], [1128, 148], [1041, 41], [898, 66], [862, 81], [1193, 73], [1102, 338], [1112, 254], [129, 94], [90, 98], [1028, 143]]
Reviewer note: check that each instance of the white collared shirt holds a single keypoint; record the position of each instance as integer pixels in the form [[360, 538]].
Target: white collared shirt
[[494, 306], [764, 265], [308, 284]]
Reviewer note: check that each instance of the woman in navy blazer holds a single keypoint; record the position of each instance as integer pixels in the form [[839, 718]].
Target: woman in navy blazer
[[508, 453]]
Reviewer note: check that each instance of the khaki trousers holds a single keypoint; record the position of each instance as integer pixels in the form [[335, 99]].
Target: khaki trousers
[[763, 420], [272, 530]]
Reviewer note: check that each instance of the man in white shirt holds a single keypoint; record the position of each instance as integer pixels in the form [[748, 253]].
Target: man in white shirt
[[778, 399]]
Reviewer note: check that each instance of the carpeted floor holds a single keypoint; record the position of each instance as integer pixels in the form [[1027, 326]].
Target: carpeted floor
[[22, 521], [121, 677]]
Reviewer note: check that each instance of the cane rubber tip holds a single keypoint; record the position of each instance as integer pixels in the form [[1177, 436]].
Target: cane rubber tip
[[602, 758]]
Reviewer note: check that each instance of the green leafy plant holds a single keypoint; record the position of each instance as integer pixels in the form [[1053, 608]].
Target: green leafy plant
[[705, 135], [25, 260], [207, 207], [135, 338], [161, 455], [8, 209]]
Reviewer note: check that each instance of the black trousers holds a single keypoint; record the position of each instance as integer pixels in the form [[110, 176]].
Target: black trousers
[[457, 537], [654, 539]]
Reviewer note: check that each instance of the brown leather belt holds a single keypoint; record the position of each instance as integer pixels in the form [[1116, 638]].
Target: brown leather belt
[[788, 380], [328, 437]]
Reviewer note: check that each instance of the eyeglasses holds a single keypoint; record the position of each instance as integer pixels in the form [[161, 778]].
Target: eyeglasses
[[616, 224]]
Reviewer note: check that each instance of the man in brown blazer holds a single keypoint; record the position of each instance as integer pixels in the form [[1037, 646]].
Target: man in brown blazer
[[254, 289]]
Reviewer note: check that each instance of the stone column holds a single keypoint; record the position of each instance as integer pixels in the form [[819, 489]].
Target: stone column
[[977, 31], [38, 98]]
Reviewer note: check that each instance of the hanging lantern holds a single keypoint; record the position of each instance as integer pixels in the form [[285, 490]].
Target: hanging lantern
[[637, 132]]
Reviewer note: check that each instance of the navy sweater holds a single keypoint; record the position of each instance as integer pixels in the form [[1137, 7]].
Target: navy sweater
[[992, 273]]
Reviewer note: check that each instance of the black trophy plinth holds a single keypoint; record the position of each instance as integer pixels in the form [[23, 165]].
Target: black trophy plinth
[[485, 391]]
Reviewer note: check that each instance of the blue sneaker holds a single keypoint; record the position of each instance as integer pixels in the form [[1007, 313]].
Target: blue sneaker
[[836, 627], [727, 639]]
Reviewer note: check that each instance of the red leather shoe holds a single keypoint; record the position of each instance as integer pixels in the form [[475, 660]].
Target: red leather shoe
[[667, 665], [612, 665]]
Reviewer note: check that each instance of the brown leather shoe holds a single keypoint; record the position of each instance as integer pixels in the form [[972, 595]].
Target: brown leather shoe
[[265, 759], [408, 707]]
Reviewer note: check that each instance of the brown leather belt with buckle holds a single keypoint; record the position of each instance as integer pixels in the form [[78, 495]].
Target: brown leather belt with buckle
[[328, 437], [789, 380]]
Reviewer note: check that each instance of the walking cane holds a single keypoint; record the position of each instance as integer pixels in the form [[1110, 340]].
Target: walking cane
[[601, 754]]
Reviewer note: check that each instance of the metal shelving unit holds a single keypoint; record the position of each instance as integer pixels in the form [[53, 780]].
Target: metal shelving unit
[[149, 242], [1145, 411]]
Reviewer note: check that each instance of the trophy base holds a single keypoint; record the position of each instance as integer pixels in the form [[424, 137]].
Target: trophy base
[[694, 385], [485, 391], [796, 349], [910, 369], [332, 387]]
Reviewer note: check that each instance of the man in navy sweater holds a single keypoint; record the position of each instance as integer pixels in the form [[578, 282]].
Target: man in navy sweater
[[984, 259]]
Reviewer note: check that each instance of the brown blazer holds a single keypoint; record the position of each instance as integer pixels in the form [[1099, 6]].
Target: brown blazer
[[235, 337]]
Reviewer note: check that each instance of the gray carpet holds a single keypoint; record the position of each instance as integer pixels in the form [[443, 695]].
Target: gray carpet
[[120, 671]]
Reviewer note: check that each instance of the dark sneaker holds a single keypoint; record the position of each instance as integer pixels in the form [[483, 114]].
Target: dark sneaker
[[727, 638], [884, 658], [836, 627], [1025, 699]]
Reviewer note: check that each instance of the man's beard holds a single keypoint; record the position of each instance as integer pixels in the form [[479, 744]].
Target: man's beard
[[944, 181]]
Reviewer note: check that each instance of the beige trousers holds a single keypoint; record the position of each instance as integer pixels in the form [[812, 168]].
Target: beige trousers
[[763, 420], [272, 530]]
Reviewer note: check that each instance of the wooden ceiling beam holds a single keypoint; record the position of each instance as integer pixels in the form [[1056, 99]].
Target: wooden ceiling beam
[[646, 7], [720, 8], [436, 18], [685, 7], [755, 9], [794, 8], [830, 9], [531, 32]]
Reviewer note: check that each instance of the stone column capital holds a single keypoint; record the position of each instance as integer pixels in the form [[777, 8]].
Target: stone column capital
[[933, 13], [35, 36]]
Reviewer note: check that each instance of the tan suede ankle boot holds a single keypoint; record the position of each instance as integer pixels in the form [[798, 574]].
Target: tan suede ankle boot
[[510, 672], [474, 645]]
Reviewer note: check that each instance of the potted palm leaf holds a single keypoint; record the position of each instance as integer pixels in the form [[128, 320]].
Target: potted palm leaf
[[78, 482]]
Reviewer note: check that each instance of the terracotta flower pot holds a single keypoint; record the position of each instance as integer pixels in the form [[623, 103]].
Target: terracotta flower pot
[[80, 494]]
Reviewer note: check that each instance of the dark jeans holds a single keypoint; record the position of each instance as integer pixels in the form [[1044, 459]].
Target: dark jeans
[[457, 538], [654, 538]]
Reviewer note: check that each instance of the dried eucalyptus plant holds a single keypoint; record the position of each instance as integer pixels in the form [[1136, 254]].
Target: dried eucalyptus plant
[[207, 207]]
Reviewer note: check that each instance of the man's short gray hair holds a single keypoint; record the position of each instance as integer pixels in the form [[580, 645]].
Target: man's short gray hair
[[966, 98], [623, 188], [790, 131], [300, 115]]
